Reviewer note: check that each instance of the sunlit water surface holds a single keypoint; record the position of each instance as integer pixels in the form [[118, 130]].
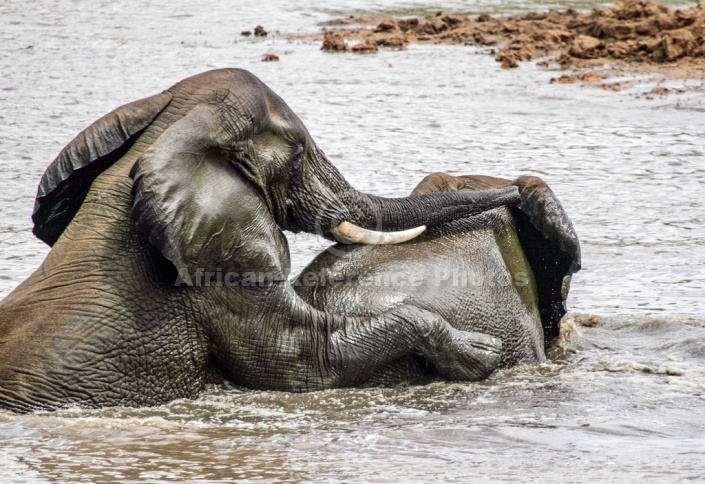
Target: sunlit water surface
[[624, 397]]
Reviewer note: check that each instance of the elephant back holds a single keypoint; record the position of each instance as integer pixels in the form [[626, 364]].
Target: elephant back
[[68, 178]]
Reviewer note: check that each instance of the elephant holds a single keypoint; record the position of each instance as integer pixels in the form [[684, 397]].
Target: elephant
[[169, 267], [504, 272]]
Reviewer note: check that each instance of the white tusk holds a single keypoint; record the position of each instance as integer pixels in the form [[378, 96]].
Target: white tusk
[[347, 232]]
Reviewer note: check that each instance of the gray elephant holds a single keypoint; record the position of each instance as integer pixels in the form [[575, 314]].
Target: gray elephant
[[505, 272], [169, 267]]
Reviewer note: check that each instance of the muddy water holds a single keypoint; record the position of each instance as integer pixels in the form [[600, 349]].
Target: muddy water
[[624, 396]]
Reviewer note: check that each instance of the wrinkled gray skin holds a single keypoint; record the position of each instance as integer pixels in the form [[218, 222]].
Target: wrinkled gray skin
[[204, 177], [505, 273]]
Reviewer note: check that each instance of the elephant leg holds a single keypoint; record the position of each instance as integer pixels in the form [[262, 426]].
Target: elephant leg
[[361, 346], [298, 348]]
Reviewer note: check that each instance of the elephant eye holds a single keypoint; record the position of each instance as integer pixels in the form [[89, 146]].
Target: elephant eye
[[233, 155], [297, 160]]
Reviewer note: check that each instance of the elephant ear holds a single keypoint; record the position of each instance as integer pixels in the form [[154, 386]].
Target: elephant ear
[[66, 182], [546, 213], [198, 209], [545, 232], [551, 246]]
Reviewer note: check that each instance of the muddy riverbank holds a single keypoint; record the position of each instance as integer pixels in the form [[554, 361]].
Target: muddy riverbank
[[639, 36]]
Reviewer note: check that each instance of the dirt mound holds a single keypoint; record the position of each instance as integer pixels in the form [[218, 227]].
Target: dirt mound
[[630, 31], [333, 42]]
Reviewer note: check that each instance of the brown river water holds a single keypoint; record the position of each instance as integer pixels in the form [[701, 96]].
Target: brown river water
[[623, 398]]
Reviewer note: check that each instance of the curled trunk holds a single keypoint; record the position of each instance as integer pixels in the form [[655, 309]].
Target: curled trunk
[[334, 202]]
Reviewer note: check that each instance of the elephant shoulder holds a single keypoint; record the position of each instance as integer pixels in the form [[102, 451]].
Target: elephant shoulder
[[68, 178]]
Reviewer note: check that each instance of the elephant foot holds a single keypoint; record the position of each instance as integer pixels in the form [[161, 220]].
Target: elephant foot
[[468, 356]]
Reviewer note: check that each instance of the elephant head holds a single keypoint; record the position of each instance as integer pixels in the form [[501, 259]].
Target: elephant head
[[544, 229], [218, 143]]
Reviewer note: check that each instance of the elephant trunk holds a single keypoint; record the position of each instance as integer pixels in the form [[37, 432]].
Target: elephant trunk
[[391, 214], [329, 206]]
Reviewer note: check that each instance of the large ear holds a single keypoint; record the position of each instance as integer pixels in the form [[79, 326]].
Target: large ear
[[198, 209], [551, 246], [66, 182]]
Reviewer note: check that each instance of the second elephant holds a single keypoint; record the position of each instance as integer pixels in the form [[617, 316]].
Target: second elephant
[[505, 273]]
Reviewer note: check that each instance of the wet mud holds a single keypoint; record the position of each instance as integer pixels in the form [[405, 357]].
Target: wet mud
[[631, 35]]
